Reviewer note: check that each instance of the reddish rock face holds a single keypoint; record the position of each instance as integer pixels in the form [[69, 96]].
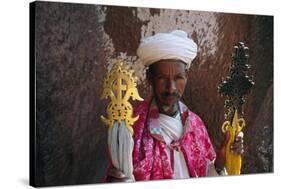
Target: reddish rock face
[[76, 44]]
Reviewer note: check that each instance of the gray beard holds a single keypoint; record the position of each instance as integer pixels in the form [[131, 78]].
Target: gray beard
[[167, 108]]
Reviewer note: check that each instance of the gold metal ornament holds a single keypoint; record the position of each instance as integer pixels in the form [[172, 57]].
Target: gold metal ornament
[[120, 85], [233, 161]]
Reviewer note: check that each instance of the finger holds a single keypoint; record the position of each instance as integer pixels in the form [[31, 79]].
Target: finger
[[240, 134], [125, 179], [128, 180], [115, 173], [237, 149], [238, 141], [237, 145]]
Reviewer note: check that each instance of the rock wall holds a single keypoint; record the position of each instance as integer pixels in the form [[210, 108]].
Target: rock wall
[[77, 43], [71, 140]]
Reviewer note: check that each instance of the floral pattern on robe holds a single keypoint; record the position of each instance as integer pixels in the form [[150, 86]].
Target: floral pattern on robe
[[150, 159]]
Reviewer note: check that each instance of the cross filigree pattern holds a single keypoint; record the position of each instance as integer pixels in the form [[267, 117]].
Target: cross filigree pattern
[[236, 86], [120, 85]]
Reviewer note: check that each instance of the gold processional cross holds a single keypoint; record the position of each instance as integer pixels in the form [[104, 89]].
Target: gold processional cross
[[120, 85]]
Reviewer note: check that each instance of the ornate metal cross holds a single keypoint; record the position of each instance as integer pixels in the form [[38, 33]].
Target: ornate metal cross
[[235, 87], [120, 85], [238, 84]]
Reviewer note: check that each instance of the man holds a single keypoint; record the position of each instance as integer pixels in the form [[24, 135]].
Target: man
[[170, 141]]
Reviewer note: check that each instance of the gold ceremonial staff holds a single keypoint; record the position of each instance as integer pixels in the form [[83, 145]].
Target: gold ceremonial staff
[[235, 87], [120, 85]]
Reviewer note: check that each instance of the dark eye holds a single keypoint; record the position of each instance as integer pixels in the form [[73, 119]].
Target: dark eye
[[178, 77], [160, 77]]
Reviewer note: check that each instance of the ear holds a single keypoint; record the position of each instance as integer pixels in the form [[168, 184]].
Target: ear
[[186, 72], [186, 68]]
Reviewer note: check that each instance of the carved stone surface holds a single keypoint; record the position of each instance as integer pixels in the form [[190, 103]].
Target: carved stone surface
[[74, 47], [71, 140]]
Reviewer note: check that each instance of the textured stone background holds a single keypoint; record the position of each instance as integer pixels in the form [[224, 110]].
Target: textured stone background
[[76, 44]]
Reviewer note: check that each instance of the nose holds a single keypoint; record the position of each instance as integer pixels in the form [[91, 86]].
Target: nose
[[171, 86]]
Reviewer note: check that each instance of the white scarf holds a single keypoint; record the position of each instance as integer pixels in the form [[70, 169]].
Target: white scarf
[[172, 130]]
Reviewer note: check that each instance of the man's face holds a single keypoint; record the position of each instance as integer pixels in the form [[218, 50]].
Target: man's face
[[168, 80]]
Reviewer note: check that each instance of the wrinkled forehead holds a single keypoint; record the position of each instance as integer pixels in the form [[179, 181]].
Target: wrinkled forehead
[[168, 66]]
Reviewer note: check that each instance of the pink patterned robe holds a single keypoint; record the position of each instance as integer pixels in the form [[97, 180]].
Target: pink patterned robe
[[150, 160]]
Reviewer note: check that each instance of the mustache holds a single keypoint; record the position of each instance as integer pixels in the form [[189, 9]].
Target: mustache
[[168, 94]]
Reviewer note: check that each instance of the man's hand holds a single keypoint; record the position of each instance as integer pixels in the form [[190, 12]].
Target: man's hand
[[115, 175], [237, 148]]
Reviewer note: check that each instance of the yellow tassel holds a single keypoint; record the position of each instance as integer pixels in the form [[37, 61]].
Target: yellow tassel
[[233, 161]]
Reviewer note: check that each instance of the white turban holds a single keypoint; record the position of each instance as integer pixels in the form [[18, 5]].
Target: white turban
[[174, 45]]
